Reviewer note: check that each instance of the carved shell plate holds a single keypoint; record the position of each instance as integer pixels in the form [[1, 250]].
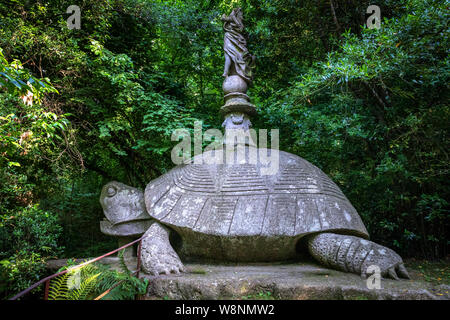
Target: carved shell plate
[[238, 200]]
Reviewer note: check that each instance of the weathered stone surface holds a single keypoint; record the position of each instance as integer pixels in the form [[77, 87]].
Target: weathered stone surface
[[127, 229], [124, 209], [250, 210], [353, 254], [238, 69], [234, 84], [158, 255], [122, 203], [238, 61], [284, 281], [237, 120], [300, 198], [236, 104], [233, 212]]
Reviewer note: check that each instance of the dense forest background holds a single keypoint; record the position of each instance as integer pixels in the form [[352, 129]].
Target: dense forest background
[[79, 108]]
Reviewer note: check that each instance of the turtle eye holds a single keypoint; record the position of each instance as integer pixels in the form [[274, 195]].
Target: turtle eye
[[111, 191]]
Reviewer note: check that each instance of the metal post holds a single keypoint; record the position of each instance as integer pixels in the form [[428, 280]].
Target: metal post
[[138, 259], [138, 267], [47, 287]]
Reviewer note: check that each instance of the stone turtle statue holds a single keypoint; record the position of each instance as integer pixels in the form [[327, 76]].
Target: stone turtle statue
[[238, 212], [229, 212]]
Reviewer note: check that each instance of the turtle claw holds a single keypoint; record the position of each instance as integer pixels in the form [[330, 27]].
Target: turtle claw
[[163, 265], [403, 272], [166, 271], [389, 263], [392, 274], [172, 270], [398, 271]]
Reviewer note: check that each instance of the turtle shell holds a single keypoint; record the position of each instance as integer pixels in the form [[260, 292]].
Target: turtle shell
[[237, 200]]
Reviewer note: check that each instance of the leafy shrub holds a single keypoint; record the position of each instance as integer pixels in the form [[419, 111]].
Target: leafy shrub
[[30, 230], [374, 116], [27, 238], [20, 271]]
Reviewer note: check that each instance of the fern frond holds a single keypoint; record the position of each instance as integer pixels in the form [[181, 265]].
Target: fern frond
[[123, 265], [94, 279], [86, 287], [58, 288]]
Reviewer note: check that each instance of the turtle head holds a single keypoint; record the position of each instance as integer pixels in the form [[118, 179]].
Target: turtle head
[[122, 203]]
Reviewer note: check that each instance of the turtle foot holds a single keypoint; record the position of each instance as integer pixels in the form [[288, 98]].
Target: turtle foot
[[157, 254], [356, 255]]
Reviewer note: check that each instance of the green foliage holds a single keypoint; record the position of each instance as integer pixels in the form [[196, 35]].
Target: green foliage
[[26, 240], [30, 230], [199, 271], [20, 271], [77, 284], [375, 116], [28, 234], [129, 286], [262, 295], [369, 107], [79, 211], [92, 280], [18, 81], [436, 272], [24, 127]]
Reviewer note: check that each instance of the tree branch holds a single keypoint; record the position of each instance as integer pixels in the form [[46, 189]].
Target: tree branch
[[333, 12]]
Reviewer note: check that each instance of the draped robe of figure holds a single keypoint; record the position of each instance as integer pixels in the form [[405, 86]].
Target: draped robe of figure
[[235, 47]]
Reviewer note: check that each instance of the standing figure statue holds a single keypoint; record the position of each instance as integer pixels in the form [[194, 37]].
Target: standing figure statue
[[238, 61]]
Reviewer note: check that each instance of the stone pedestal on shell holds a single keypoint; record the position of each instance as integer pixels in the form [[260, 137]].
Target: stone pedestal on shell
[[236, 99]]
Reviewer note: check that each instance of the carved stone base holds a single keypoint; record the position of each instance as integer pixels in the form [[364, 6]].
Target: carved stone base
[[301, 281], [237, 104], [236, 99]]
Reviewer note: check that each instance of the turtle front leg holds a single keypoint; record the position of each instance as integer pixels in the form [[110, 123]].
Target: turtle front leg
[[353, 254], [157, 254]]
